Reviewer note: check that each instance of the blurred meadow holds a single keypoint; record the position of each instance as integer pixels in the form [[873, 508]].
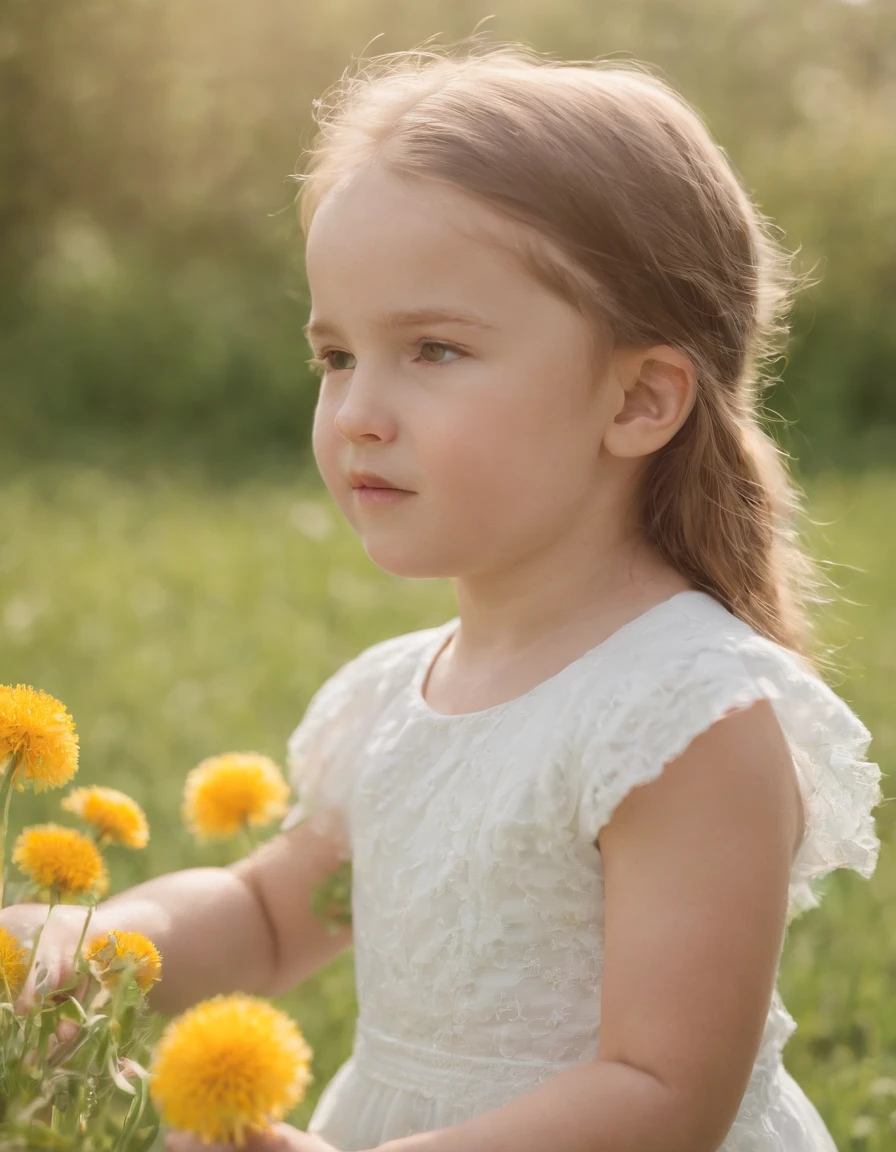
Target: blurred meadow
[[169, 566]]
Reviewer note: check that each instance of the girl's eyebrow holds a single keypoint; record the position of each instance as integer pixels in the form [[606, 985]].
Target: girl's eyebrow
[[319, 328]]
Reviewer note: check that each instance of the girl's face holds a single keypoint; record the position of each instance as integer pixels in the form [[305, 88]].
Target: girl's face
[[451, 373]]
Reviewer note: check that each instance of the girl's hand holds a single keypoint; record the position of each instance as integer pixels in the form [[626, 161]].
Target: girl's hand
[[53, 965], [281, 1138]]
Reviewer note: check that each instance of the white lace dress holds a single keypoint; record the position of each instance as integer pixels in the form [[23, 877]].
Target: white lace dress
[[478, 889]]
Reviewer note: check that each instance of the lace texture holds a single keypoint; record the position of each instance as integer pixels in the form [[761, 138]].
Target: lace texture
[[324, 751], [840, 788], [478, 891]]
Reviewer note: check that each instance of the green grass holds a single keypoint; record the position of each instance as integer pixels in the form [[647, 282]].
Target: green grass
[[177, 619]]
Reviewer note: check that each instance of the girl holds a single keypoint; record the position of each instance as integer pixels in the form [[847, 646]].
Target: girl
[[581, 813]]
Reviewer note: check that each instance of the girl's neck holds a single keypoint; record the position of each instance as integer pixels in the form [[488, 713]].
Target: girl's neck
[[522, 628], [543, 602]]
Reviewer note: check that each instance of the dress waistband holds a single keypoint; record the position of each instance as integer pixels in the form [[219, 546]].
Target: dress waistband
[[430, 1072]]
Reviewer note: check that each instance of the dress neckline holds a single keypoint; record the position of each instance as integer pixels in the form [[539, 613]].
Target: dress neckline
[[443, 635]]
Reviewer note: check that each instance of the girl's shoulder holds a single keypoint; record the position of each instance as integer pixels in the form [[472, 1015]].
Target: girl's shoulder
[[364, 681], [326, 746], [669, 676], [383, 665]]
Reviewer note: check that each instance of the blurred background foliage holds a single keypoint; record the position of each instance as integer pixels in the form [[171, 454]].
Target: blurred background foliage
[[151, 290]]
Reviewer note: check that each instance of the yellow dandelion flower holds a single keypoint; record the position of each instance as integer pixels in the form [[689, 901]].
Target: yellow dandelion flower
[[117, 818], [38, 729], [229, 1067], [62, 859], [113, 954], [13, 964], [225, 793]]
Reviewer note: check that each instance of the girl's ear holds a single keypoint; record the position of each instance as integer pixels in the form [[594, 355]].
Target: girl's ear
[[658, 388]]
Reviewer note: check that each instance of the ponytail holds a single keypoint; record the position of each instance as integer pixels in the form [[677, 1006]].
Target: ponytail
[[719, 505]]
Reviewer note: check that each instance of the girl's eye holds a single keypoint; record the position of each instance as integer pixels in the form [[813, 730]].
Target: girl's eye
[[432, 352], [337, 360]]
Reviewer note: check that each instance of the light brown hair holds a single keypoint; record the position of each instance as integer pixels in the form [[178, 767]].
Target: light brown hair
[[660, 244]]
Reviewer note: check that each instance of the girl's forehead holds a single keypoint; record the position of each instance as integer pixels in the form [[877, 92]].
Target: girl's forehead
[[380, 211], [407, 240]]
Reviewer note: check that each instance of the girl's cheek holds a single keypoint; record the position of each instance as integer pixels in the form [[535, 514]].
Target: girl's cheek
[[324, 448]]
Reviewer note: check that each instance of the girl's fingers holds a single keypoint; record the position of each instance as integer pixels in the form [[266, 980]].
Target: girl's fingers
[[285, 1138], [281, 1138], [50, 971], [67, 1030], [184, 1142], [43, 975], [47, 974]]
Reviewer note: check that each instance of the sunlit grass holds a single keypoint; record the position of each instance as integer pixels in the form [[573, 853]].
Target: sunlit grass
[[177, 620]]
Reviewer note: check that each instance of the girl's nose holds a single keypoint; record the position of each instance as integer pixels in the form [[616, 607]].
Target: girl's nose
[[364, 414]]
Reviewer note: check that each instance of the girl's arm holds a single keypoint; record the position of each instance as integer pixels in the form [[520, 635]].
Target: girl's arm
[[697, 866], [248, 928]]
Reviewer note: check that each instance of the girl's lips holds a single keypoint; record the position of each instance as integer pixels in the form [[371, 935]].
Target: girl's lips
[[379, 496]]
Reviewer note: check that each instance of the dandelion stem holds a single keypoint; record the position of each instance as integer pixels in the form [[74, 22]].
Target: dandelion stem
[[77, 959], [6, 787], [54, 900], [90, 910], [249, 838]]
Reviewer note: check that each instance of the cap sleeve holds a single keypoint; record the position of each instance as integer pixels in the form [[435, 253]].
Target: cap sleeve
[[324, 750], [660, 713]]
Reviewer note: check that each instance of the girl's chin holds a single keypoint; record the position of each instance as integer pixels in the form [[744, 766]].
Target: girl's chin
[[407, 563]]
